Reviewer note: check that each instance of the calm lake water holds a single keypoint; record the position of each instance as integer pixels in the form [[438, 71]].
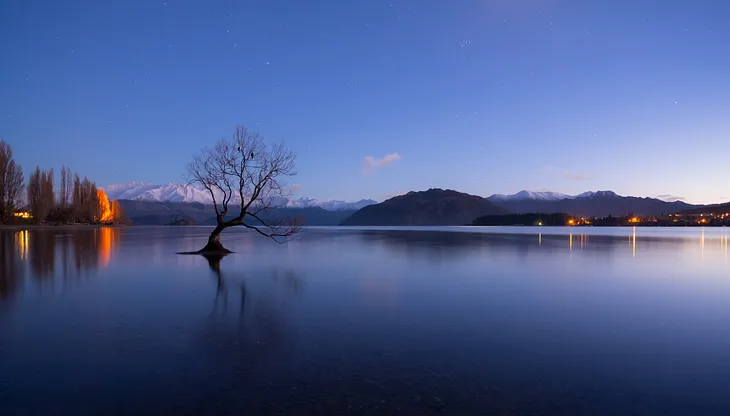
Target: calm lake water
[[500, 321]]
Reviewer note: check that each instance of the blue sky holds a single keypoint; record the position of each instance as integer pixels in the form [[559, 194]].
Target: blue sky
[[481, 96]]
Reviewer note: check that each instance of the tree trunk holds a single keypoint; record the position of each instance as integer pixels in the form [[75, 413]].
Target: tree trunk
[[214, 244]]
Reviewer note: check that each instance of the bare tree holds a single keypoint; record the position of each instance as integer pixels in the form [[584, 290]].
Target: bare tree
[[48, 190], [117, 213], [35, 201], [86, 200], [41, 197], [76, 199], [11, 182], [65, 191], [243, 176]]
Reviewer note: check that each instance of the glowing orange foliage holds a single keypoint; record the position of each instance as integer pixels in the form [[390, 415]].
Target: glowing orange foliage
[[105, 208]]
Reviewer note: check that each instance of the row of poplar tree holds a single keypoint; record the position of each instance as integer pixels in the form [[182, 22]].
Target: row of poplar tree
[[77, 201]]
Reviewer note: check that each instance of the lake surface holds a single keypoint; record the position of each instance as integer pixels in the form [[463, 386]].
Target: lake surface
[[499, 321]]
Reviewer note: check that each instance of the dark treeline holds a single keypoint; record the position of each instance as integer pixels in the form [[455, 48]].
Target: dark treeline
[[76, 200], [561, 219], [523, 219]]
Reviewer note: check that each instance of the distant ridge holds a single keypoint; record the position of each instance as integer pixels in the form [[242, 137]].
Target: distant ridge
[[710, 209], [136, 191], [589, 204], [525, 194], [432, 207], [546, 195], [161, 213]]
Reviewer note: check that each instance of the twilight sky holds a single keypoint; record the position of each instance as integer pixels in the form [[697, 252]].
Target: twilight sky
[[379, 97]]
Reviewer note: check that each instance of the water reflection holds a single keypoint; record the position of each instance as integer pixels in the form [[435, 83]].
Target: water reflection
[[633, 242], [570, 238], [511, 324], [22, 240], [255, 327], [40, 252], [437, 246], [702, 242], [11, 273]]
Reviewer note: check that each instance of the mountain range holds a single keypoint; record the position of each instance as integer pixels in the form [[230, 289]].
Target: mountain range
[[161, 213], [161, 204], [587, 204], [448, 207], [171, 192], [541, 196], [523, 195]]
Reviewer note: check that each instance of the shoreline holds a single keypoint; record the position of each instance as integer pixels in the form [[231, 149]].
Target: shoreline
[[57, 227]]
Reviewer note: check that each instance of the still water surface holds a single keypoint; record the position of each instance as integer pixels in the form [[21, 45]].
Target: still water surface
[[503, 321]]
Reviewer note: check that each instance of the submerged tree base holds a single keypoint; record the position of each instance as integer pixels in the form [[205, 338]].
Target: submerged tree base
[[213, 248]]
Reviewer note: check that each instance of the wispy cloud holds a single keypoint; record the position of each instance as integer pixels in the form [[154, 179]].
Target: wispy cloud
[[370, 163], [671, 198], [295, 187]]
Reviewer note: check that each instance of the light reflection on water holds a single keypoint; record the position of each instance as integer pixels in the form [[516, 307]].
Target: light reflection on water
[[459, 320]]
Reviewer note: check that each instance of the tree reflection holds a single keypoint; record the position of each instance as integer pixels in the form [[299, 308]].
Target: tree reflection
[[245, 334], [11, 273], [41, 250], [42, 255]]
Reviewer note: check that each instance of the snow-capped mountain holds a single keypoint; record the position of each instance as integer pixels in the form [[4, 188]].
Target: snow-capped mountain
[[598, 194], [549, 196], [161, 193], [333, 205], [538, 195], [171, 192], [588, 204]]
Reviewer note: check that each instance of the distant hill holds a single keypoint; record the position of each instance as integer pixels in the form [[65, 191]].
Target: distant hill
[[161, 213], [594, 204], [431, 207], [710, 209]]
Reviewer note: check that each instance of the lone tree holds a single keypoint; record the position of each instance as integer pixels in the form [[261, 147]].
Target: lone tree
[[11, 182], [244, 177]]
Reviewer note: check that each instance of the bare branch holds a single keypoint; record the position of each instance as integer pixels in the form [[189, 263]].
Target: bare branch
[[245, 171], [290, 227]]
